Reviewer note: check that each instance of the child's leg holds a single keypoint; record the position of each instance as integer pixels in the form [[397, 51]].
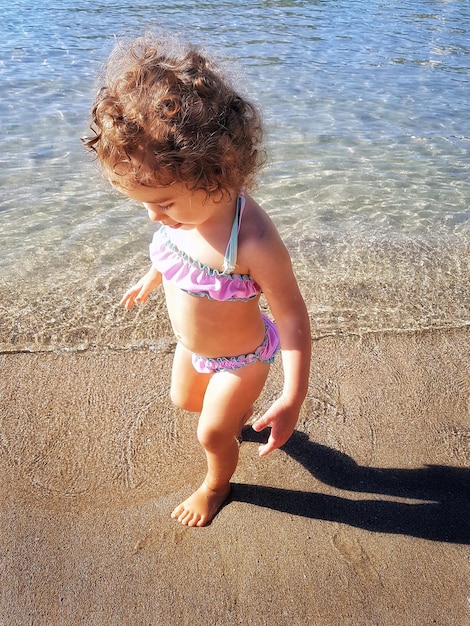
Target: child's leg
[[187, 386], [227, 405]]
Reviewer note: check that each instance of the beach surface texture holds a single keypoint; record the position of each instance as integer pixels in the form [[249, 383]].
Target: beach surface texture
[[362, 518]]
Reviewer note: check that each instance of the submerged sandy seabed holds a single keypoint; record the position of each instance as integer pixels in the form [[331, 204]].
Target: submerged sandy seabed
[[350, 285], [363, 517]]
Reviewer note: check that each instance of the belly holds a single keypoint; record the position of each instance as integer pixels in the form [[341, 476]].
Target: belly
[[213, 328]]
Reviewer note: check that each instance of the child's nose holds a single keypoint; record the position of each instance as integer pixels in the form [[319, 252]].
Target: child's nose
[[155, 213]]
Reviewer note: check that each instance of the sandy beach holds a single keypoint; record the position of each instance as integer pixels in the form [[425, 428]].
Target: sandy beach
[[362, 518]]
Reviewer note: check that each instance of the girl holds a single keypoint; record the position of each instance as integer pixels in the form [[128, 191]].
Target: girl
[[172, 133]]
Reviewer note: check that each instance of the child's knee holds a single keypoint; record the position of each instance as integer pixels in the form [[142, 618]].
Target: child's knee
[[212, 437], [206, 436]]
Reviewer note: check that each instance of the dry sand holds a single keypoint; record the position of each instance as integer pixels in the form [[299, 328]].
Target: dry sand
[[363, 518]]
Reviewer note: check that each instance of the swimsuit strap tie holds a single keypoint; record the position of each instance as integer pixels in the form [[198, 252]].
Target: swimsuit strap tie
[[231, 252]]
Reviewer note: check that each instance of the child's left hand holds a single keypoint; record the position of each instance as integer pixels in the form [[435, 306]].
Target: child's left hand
[[282, 418]]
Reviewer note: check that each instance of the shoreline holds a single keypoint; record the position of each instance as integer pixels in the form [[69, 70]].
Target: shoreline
[[362, 518], [350, 287], [167, 345]]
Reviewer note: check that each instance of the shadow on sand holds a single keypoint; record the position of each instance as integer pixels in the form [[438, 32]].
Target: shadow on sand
[[443, 514]]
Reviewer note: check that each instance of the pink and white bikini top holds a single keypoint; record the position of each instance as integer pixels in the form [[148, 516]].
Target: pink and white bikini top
[[199, 280]]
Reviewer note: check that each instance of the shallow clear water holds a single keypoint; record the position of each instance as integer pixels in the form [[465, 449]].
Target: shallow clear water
[[366, 108]]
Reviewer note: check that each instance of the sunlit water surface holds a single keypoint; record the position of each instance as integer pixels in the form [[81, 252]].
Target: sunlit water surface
[[366, 109]]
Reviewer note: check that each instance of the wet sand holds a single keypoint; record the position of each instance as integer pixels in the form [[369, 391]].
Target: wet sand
[[363, 518]]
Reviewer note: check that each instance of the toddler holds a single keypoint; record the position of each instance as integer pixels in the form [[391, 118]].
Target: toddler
[[171, 132]]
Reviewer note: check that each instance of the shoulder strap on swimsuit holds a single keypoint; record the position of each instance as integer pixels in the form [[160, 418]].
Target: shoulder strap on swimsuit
[[230, 259]]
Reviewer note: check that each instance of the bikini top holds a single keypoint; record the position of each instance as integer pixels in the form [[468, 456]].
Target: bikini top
[[196, 279]]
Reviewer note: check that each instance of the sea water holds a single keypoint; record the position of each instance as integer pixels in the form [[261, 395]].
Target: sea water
[[366, 111]]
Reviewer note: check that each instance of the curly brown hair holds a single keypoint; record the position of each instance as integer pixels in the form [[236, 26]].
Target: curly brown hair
[[165, 114]]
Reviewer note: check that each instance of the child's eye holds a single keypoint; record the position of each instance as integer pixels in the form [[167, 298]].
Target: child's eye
[[164, 207]]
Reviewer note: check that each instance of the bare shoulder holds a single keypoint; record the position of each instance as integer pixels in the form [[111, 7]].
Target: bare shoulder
[[262, 252], [257, 232], [268, 262]]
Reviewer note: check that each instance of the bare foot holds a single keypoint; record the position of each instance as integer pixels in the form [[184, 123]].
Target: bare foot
[[201, 507]]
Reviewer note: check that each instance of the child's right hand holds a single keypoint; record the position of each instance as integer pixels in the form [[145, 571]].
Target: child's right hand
[[139, 293]]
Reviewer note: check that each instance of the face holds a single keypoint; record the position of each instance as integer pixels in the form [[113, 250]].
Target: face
[[175, 206]]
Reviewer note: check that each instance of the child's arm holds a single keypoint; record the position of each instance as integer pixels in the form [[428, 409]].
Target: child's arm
[[273, 271], [141, 290]]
